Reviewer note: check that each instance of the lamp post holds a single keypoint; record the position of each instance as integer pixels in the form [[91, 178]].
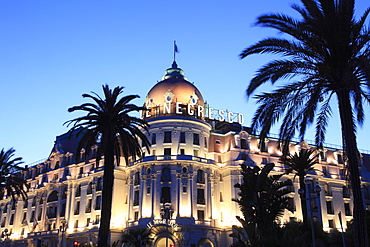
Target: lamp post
[[62, 229], [308, 204]]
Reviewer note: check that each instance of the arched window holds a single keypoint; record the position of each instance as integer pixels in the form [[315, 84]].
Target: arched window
[[166, 174], [53, 197], [200, 176]]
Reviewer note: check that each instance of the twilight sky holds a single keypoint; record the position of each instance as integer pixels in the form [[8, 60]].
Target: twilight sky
[[51, 52]]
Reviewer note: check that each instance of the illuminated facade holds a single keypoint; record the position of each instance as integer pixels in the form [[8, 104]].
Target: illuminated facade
[[182, 188]]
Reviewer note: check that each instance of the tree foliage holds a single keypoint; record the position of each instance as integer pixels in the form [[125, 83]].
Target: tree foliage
[[263, 198], [11, 181], [108, 123], [327, 54]]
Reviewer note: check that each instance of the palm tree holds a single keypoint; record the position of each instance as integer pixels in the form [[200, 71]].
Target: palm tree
[[262, 201], [11, 182], [108, 123], [327, 52], [137, 237], [301, 163]]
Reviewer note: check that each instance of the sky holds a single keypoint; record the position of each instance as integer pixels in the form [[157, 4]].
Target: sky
[[51, 52]]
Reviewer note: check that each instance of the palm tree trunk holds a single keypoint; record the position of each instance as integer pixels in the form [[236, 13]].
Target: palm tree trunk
[[302, 187], [107, 193], [352, 154]]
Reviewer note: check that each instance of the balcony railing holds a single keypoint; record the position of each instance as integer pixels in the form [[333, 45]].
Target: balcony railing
[[175, 157]]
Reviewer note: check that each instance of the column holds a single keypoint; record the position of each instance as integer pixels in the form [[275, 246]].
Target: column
[[209, 195], [153, 190], [191, 194], [178, 177]]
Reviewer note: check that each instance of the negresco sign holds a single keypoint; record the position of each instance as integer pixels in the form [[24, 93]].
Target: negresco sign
[[200, 111]]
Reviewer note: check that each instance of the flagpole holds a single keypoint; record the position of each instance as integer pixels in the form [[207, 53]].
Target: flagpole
[[174, 50]]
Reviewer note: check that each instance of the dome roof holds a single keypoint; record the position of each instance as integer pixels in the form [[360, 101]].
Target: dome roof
[[173, 88]]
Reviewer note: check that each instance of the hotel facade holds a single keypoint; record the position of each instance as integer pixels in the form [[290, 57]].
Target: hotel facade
[[182, 188]]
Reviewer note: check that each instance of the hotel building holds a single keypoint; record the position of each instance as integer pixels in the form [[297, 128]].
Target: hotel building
[[182, 188]]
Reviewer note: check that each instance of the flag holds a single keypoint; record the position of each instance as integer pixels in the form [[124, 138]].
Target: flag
[[175, 47]]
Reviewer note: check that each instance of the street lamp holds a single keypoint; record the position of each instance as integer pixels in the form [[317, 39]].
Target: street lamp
[[62, 229], [308, 205]]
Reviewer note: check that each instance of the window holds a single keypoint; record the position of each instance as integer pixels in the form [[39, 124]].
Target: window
[[167, 151], [327, 190], [322, 156], [345, 192], [154, 138], [205, 142], [88, 206], [76, 224], [97, 219], [51, 211], [25, 204], [347, 209], [329, 207], [11, 222], [166, 175], [89, 189], [166, 194], [196, 139], [98, 203], [81, 170], [167, 137], [40, 214], [78, 191], [53, 197], [182, 137], [331, 223], [136, 216], [244, 143], [32, 216], [182, 151], [200, 214], [221, 178], [221, 197], [136, 197], [200, 176], [184, 189], [340, 158], [3, 222], [99, 184], [137, 178], [148, 189], [77, 208], [200, 196], [196, 153], [88, 220]]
